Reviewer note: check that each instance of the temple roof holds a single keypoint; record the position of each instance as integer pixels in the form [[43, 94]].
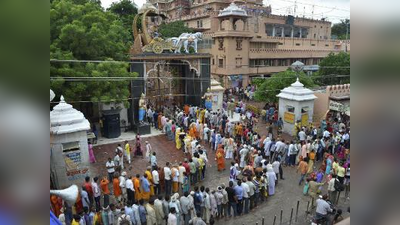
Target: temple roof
[[65, 119], [297, 92], [232, 10]]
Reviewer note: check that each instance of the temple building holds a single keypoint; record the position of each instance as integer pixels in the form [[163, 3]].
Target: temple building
[[246, 40]]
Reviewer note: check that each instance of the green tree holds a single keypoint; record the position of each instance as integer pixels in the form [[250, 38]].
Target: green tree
[[126, 11], [340, 29], [334, 69], [272, 86], [82, 30], [173, 29]]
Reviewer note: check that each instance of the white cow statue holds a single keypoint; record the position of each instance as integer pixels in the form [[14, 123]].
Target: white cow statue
[[186, 39]]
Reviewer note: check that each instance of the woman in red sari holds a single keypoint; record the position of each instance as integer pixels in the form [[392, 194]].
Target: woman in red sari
[[220, 157]]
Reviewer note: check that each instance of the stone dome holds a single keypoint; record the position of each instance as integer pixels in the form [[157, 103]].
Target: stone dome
[[232, 10], [297, 92], [65, 119]]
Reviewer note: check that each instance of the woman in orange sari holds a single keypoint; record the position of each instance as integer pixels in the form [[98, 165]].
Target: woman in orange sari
[[117, 188], [150, 179], [192, 131], [136, 185], [159, 121], [220, 157]]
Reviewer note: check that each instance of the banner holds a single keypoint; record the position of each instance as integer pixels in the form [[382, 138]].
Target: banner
[[289, 117], [336, 106], [304, 120], [73, 166]]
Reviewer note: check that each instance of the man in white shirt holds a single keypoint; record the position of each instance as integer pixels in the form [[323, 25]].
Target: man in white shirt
[[156, 180], [130, 190], [110, 169], [331, 189], [185, 207], [158, 207], [246, 196], [252, 190], [302, 135], [280, 146], [96, 192], [167, 177], [326, 134], [122, 183]]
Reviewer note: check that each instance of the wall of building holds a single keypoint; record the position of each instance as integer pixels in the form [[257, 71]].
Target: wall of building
[[57, 161]]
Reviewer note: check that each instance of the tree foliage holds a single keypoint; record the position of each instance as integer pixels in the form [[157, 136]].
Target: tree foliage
[[334, 69], [272, 86], [173, 29], [82, 30], [340, 29], [126, 11]]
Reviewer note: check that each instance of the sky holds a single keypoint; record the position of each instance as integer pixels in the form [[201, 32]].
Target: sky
[[332, 10]]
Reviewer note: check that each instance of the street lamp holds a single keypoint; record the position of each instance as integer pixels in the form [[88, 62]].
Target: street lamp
[[297, 67]]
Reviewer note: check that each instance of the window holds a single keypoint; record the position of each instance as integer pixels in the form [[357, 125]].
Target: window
[[326, 45], [71, 146], [315, 36], [213, 61], [280, 43], [221, 44], [239, 44], [238, 62], [290, 109], [220, 63], [312, 44], [297, 44], [304, 109]]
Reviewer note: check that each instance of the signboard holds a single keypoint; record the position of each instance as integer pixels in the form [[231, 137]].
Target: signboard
[[289, 117], [336, 106], [304, 119], [73, 166]]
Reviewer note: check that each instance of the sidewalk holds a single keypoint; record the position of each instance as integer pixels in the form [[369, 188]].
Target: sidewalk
[[126, 136]]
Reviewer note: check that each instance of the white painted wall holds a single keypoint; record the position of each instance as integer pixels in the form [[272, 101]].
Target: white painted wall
[[288, 127], [57, 162]]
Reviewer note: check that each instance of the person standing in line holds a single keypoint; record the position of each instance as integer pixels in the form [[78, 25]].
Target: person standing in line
[[156, 181], [158, 207], [252, 189], [172, 219], [130, 190], [232, 200], [116, 188], [151, 213], [246, 196], [341, 171], [142, 212], [128, 152], [167, 177], [89, 189], [122, 183], [275, 166], [145, 187], [271, 179], [182, 171], [96, 192], [124, 218], [106, 192], [185, 206], [239, 192]]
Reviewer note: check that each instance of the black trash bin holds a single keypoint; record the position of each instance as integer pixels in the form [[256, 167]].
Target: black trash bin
[[111, 123]]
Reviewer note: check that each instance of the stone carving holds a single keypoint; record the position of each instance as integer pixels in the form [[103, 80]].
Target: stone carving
[[186, 40]]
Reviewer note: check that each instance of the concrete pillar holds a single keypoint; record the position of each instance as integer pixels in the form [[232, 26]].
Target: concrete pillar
[[292, 32], [232, 24], [283, 32], [273, 31]]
